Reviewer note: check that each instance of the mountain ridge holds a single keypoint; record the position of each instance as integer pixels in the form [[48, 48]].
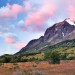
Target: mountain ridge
[[57, 33]]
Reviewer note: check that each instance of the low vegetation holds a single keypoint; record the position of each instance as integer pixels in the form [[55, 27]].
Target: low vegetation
[[52, 56]]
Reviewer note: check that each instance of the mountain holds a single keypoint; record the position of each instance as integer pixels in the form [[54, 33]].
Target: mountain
[[59, 32]]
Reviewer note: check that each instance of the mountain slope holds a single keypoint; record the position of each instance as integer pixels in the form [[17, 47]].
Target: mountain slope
[[65, 46], [59, 32]]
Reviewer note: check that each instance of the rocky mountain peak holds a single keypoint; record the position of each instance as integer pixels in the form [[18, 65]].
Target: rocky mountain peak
[[71, 22], [60, 29]]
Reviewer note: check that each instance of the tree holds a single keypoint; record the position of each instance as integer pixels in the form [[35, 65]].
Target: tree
[[5, 58], [53, 57]]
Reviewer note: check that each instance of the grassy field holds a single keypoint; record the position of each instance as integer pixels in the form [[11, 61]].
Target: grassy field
[[38, 68]]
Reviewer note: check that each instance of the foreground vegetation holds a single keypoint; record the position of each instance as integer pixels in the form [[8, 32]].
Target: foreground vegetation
[[38, 68]]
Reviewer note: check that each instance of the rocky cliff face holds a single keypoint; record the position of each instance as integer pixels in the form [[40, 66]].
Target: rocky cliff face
[[57, 33]]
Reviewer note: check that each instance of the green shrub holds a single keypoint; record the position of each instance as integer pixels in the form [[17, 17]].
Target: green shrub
[[5, 58], [53, 57]]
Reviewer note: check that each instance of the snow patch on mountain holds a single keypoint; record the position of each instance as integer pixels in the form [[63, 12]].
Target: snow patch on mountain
[[63, 34], [70, 21]]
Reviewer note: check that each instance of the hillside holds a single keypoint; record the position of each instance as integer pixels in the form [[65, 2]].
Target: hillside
[[65, 46]]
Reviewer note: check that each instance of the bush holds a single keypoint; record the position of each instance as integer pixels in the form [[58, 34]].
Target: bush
[[5, 58], [47, 55], [53, 57]]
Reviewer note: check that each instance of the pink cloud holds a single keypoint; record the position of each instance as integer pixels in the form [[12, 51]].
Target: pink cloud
[[70, 6], [71, 12], [41, 15], [13, 11], [10, 40], [20, 45], [16, 9]]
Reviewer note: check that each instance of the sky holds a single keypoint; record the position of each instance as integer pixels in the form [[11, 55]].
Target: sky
[[24, 20]]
